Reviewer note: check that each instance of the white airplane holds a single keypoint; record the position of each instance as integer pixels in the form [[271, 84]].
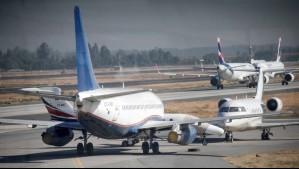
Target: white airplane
[[62, 110], [225, 71], [114, 113], [275, 69], [229, 107]]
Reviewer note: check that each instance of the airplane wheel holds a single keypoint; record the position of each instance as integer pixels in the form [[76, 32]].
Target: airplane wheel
[[145, 147], [226, 136], [125, 144], [221, 86], [80, 149], [89, 149], [283, 83], [204, 143], [155, 148], [287, 83]]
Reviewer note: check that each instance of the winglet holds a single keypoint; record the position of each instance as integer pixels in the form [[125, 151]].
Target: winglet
[[85, 74], [221, 58], [278, 50]]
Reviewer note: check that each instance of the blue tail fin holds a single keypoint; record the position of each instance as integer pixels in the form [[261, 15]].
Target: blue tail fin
[[221, 58], [85, 74]]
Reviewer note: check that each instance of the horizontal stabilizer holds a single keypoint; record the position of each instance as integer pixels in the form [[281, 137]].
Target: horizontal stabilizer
[[44, 93]]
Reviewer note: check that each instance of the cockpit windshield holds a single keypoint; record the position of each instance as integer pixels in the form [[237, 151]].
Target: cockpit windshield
[[232, 109]]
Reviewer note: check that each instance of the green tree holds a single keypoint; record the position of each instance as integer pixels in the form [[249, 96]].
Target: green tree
[[43, 51]]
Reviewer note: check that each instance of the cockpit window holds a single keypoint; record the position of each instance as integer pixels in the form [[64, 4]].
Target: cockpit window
[[224, 109], [237, 109]]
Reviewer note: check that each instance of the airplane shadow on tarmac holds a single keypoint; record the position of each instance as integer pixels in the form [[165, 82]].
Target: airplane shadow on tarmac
[[107, 150]]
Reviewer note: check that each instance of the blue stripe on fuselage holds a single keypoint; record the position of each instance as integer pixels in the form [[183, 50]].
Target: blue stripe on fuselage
[[106, 130]]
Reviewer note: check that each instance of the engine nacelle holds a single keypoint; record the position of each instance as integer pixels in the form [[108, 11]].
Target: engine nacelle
[[186, 136], [214, 81], [222, 101], [266, 79], [289, 77], [57, 136], [274, 104]]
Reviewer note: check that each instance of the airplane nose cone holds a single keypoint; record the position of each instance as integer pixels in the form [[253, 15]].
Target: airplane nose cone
[[214, 130]]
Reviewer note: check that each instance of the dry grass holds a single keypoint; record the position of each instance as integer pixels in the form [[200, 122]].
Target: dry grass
[[277, 159], [209, 108]]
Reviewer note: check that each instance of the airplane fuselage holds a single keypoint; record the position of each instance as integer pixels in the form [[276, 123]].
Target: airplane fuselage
[[241, 107], [120, 117], [229, 75], [277, 67]]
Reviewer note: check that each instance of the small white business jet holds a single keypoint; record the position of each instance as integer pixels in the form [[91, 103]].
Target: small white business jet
[[276, 68], [225, 71], [229, 107], [114, 113]]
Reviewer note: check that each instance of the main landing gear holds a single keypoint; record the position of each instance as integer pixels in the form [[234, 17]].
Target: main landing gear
[[229, 137], [252, 82], [265, 134], [147, 146], [285, 83], [204, 141], [130, 142], [88, 147]]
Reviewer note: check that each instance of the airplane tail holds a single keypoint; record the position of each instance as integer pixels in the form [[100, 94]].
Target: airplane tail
[[221, 58], [85, 73], [260, 86], [278, 51]]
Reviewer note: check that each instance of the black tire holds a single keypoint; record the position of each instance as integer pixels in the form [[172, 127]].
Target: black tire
[[125, 144], [155, 148], [89, 149], [80, 149], [145, 148]]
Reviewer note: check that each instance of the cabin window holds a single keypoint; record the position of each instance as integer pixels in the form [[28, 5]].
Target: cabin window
[[234, 109]]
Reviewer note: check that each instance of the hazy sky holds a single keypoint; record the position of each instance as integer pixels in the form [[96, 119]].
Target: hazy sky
[[145, 24]]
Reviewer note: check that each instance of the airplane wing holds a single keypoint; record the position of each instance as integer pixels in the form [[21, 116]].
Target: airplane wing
[[271, 125], [92, 96], [101, 94], [44, 93], [35, 123], [183, 75], [164, 125]]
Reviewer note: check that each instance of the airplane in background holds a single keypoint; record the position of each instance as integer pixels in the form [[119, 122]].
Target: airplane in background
[[114, 113], [276, 68], [225, 71], [229, 107]]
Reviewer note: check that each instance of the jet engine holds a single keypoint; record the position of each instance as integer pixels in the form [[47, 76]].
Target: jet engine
[[57, 136], [183, 137], [289, 77], [266, 79], [274, 104], [214, 81], [222, 101]]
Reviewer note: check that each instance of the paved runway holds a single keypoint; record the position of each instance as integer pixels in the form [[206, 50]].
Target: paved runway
[[25, 149]]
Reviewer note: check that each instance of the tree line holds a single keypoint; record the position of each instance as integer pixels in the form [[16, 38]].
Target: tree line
[[45, 58]]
